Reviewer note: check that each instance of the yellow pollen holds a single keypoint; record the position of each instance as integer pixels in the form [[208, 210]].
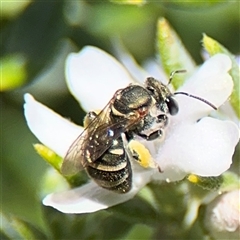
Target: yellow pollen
[[192, 178], [145, 159]]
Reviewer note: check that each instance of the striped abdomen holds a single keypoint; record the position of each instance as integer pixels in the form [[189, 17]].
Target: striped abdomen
[[113, 169]]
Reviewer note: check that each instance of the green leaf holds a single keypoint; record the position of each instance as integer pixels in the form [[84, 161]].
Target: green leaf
[[13, 71], [49, 156], [56, 162], [172, 53], [213, 47]]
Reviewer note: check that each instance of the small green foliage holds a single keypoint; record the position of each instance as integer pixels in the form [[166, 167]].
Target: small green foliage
[[213, 47], [11, 9], [140, 231], [172, 53], [147, 194], [13, 72], [230, 181], [14, 228], [129, 2], [49, 156], [208, 183], [52, 181], [56, 162], [198, 5]]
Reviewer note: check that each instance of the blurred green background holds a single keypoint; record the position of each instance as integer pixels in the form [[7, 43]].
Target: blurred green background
[[36, 37]]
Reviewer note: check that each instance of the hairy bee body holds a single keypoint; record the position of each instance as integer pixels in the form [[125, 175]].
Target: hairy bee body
[[133, 111], [112, 170], [100, 150]]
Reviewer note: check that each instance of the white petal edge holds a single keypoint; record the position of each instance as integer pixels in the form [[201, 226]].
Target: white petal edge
[[93, 76], [86, 199], [204, 148], [50, 128], [155, 70], [137, 72], [91, 198], [211, 82]]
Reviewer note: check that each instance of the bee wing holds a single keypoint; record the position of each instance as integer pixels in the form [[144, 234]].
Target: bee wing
[[93, 142], [75, 159], [97, 137], [72, 161], [99, 141]]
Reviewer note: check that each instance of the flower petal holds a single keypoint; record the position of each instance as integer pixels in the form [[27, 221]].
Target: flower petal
[[93, 76], [91, 198], [211, 82], [137, 72], [50, 128], [204, 148], [85, 199], [155, 70]]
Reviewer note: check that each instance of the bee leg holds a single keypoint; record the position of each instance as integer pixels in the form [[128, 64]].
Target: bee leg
[[142, 155], [162, 118], [152, 136]]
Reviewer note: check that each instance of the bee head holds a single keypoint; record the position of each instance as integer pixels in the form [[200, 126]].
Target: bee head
[[162, 95], [165, 98]]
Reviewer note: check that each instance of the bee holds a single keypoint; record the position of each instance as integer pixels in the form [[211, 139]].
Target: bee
[[112, 170], [102, 148]]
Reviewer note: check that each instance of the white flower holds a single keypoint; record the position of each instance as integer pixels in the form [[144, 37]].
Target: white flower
[[223, 216], [202, 147], [227, 111]]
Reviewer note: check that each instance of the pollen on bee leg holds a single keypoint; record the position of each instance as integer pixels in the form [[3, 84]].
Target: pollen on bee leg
[[142, 155]]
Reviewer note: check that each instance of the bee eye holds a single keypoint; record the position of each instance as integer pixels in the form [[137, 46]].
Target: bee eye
[[172, 105]]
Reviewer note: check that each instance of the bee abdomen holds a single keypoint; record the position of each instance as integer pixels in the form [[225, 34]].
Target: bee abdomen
[[112, 170], [117, 181]]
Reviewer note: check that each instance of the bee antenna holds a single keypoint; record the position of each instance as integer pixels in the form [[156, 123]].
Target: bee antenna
[[173, 73], [199, 98]]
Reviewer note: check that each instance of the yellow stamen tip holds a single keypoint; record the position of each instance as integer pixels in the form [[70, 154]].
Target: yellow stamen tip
[[193, 178]]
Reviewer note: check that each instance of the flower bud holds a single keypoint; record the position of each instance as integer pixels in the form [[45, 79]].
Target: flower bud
[[222, 217]]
